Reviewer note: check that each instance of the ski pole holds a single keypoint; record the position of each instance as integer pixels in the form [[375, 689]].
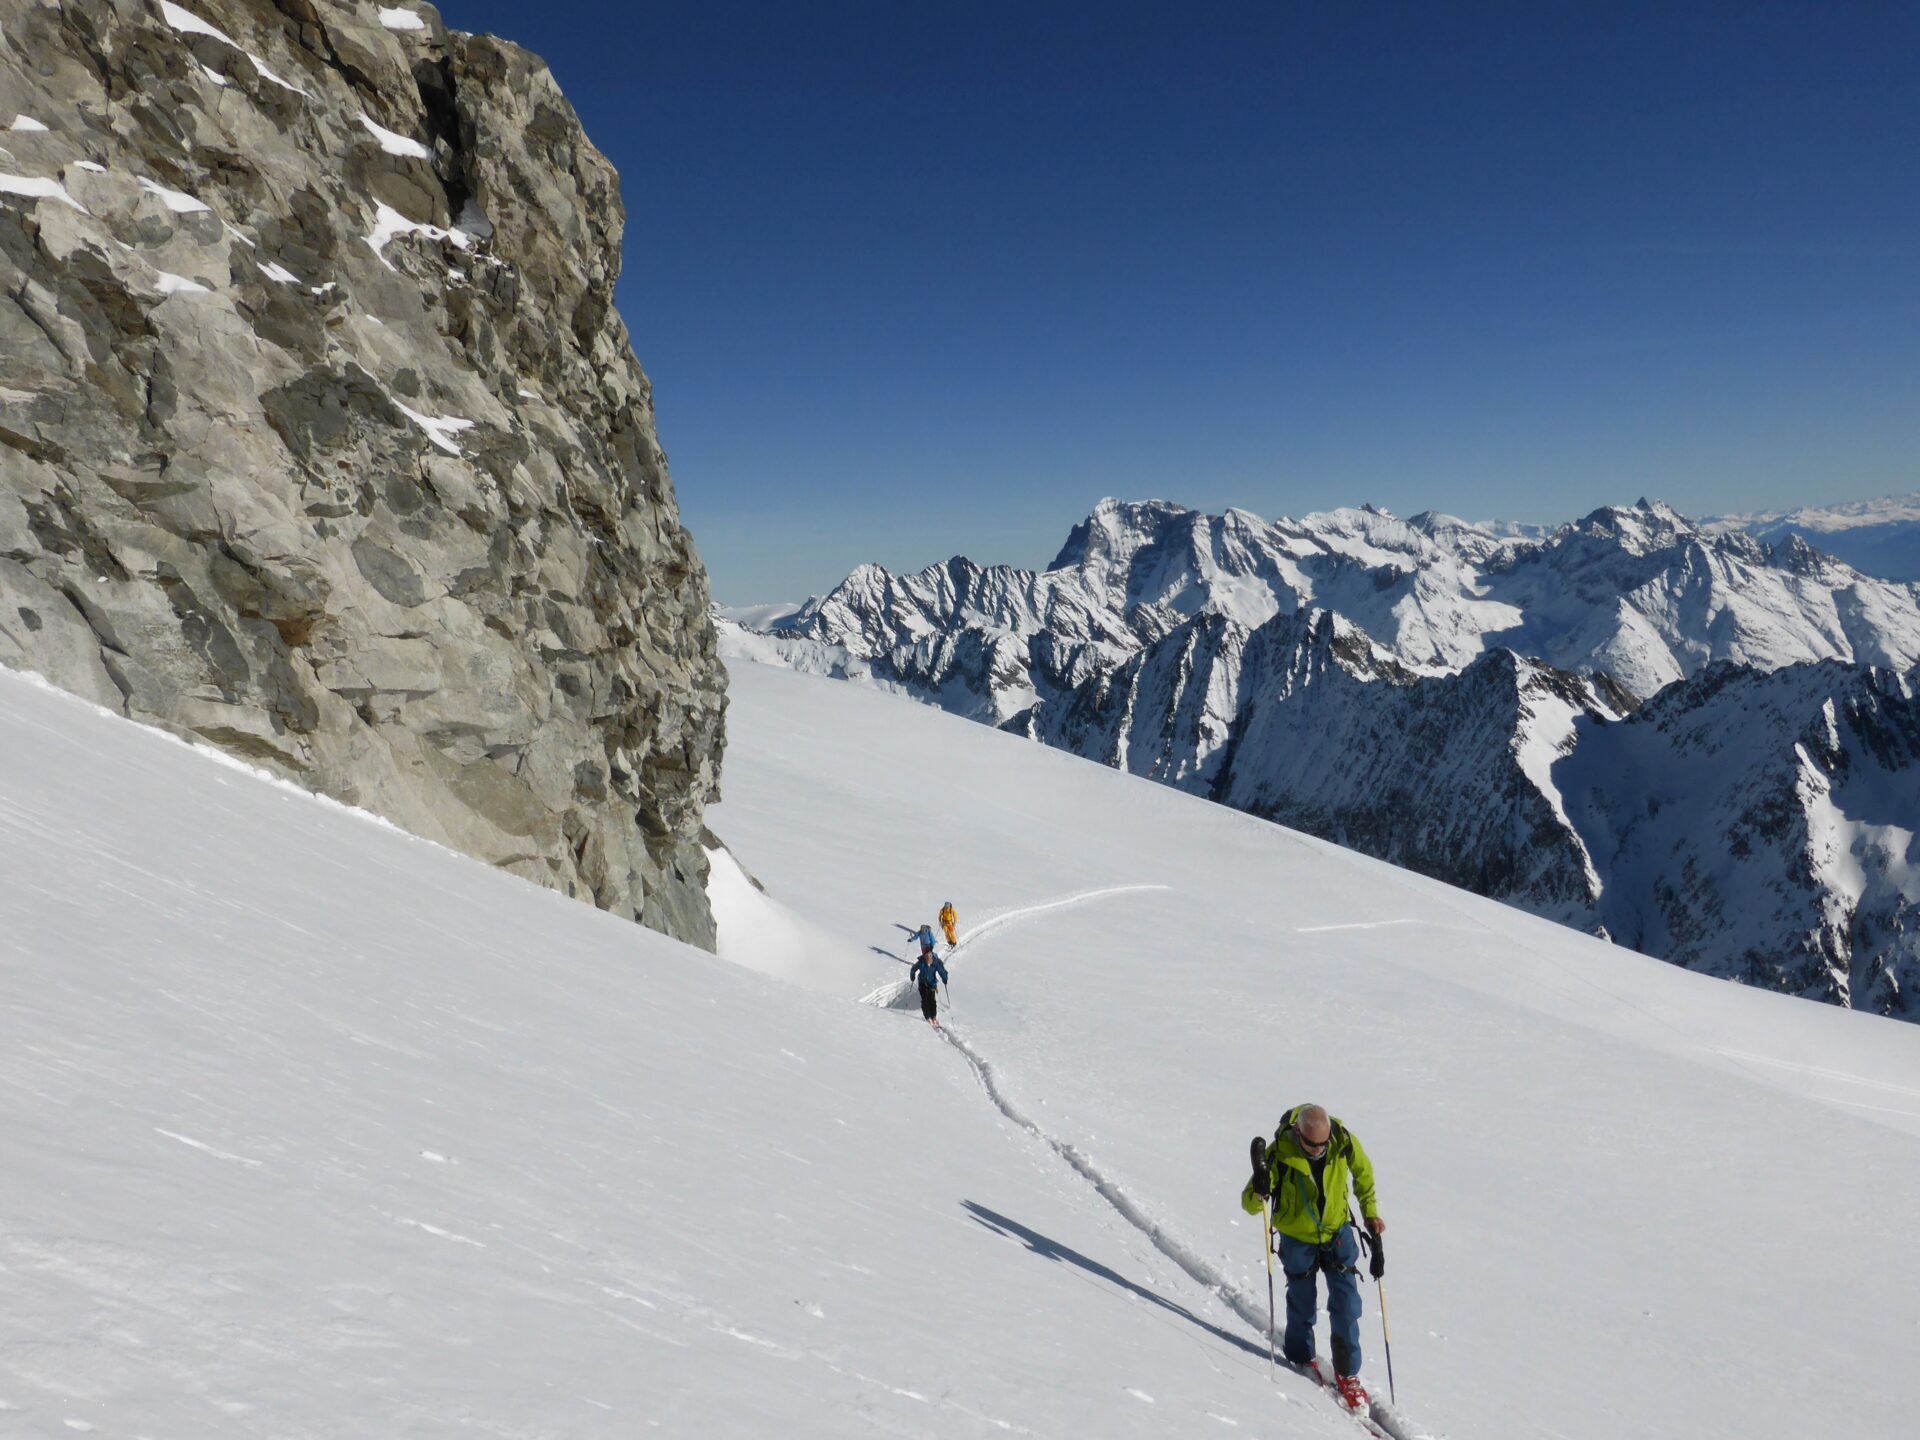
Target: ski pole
[[949, 994], [1266, 1209], [1380, 1284]]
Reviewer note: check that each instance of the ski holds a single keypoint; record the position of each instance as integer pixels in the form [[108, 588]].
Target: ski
[[1365, 1420]]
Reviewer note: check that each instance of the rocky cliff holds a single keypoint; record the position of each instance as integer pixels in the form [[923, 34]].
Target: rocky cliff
[[321, 440]]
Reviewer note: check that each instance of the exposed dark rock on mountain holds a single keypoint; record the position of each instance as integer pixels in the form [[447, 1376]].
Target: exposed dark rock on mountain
[[1760, 825]]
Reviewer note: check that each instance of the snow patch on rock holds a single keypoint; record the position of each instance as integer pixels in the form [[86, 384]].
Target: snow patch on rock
[[389, 222], [171, 284], [177, 201], [36, 188], [393, 143], [440, 431], [187, 23]]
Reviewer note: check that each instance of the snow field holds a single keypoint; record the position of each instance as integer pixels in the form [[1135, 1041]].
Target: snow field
[[315, 1129], [321, 1130], [1605, 1179]]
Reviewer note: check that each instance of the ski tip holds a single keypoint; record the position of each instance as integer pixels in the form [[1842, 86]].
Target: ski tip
[[1392, 1423]]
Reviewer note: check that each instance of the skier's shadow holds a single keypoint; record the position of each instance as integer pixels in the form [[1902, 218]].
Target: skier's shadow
[[889, 954], [1053, 1250]]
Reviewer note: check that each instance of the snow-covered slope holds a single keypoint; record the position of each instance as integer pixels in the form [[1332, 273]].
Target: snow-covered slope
[[313, 1129], [317, 1130], [1604, 1177], [1876, 537]]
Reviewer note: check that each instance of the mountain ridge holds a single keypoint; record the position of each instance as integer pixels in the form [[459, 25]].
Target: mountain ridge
[[1226, 656], [1879, 536]]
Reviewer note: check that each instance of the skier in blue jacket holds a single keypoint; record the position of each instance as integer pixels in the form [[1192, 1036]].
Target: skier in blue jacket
[[925, 937], [928, 973]]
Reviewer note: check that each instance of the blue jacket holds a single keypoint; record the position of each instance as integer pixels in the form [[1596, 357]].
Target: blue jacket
[[925, 969], [925, 937]]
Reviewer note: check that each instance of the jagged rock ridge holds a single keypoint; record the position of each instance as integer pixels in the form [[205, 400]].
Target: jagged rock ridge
[[320, 437], [1635, 592]]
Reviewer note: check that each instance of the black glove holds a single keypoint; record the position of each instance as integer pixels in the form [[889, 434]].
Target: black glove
[[1379, 1265], [1262, 1175]]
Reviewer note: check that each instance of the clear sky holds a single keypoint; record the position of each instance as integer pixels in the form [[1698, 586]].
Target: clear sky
[[916, 279]]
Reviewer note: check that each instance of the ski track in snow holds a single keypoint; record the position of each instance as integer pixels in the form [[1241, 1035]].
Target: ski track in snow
[[1388, 1423], [1820, 1070], [890, 995], [1385, 924], [208, 1149], [1384, 1420]]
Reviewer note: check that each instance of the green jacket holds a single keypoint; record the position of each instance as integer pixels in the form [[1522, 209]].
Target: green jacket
[[1299, 1207]]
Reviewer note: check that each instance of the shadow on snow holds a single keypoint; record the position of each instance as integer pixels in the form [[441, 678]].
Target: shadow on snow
[[1053, 1250]]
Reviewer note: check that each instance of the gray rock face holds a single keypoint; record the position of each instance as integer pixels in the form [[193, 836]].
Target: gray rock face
[[320, 438]]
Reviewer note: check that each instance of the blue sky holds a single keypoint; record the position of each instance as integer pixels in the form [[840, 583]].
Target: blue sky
[[914, 280]]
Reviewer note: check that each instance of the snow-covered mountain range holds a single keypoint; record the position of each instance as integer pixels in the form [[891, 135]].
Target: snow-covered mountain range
[[1468, 703], [1879, 537]]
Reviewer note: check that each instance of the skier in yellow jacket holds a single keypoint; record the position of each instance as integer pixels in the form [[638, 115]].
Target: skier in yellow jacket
[[950, 922], [1300, 1182]]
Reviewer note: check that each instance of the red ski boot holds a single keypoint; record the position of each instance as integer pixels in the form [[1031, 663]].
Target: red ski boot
[[1352, 1393]]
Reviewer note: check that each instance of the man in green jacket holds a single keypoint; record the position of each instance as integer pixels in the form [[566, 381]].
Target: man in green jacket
[[1304, 1175]]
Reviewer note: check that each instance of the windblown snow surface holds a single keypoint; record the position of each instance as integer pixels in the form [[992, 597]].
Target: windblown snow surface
[[314, 1129]]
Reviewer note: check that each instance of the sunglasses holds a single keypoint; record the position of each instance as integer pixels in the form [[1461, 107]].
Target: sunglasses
[[1310, 1146]]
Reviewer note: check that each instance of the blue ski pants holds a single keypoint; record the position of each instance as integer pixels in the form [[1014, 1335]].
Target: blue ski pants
[[1302, 1260]]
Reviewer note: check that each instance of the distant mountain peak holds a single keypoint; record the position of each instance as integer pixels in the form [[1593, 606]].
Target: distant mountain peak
[[1115, 529], [1642, 527]]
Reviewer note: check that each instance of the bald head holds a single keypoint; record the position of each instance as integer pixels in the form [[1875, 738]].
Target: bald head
[[1311, 1124]]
